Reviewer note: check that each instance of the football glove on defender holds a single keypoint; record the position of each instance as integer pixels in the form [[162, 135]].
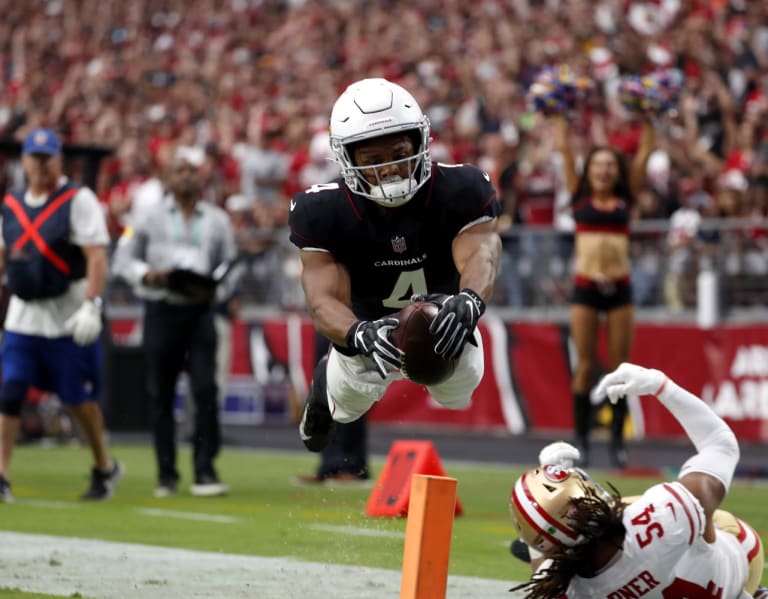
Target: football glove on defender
[[630, 379], [561, 453], [371, 338], [454, 325]]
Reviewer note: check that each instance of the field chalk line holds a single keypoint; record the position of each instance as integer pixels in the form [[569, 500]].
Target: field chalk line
[[92, 569]]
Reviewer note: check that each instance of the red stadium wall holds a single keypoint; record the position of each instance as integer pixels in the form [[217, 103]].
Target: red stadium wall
[[526, 383]]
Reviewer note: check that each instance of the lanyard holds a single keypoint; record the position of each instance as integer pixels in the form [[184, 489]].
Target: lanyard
[[179, 227]]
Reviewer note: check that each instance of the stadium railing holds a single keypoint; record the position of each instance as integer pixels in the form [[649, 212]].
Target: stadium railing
[[716, 272]]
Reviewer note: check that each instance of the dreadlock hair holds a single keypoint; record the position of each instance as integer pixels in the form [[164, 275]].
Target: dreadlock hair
[[598, 516]]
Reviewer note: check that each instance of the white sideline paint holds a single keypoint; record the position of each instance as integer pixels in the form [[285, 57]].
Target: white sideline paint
[[359, 531], [148, 511], [181, 515], [48, 503], [66, 566]]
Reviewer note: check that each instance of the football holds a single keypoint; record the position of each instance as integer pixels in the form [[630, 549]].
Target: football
[[420, 363]]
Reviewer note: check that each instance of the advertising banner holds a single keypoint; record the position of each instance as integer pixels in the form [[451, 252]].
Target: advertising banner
[[526, 386]]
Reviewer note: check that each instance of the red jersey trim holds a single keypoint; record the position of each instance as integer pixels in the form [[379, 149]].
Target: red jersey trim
[[490, 200], [307, 239], [687, 511], [431, 184], [744, 530], [602, 228], [583, 281], [348, 193]]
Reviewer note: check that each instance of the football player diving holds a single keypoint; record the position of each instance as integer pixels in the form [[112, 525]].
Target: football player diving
[[394, 228], [672, 541]]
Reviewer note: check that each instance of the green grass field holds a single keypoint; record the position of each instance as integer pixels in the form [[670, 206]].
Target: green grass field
[[267, 515]]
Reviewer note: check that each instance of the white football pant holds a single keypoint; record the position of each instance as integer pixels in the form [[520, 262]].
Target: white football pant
[[354, 384]]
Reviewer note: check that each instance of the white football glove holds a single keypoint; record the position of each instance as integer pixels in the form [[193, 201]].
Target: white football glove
[[85, 324], [630, 379], [561, 453]]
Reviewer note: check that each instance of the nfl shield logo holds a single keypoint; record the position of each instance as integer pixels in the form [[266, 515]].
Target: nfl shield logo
[[398, 244]]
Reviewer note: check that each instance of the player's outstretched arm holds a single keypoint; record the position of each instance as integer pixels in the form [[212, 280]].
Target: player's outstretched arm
[[476, 253], [708, 474], [327, 289]]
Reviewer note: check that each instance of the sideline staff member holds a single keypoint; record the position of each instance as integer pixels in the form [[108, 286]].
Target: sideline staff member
[[182, 232], [54, 252]]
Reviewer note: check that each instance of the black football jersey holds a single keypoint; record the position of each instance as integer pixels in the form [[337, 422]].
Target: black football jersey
[[393, 253]]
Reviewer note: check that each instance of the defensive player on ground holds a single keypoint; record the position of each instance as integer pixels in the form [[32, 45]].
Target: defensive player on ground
[[672, 541], [392, 227]]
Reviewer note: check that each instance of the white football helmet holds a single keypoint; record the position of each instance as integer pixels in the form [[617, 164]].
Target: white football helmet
[[541, 504], [372, 108]]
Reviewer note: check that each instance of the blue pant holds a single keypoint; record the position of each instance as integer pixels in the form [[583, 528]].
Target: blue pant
[[57, 365]]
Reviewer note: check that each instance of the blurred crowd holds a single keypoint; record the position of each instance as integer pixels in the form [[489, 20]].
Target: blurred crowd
[[250, 85]]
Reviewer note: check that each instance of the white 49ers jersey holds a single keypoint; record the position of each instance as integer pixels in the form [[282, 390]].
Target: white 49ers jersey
[[665, 555]]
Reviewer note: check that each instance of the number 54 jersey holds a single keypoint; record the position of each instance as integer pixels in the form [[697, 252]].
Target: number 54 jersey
[[664, 554], [392, 253]]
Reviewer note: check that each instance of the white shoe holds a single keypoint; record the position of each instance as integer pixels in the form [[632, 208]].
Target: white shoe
[[164, 490], [208, 486]]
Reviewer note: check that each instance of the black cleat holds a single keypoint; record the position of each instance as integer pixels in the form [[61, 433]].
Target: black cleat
[[103, 483], [317, 428], [5, 490]]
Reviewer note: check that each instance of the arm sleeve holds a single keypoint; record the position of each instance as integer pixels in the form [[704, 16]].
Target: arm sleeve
[[718, 449]]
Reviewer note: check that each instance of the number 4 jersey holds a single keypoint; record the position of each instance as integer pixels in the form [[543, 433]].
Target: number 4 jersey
[[664, 554], [392, 253]]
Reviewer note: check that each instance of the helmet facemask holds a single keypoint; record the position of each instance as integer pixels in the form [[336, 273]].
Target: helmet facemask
[[389, 190]]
